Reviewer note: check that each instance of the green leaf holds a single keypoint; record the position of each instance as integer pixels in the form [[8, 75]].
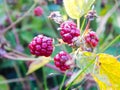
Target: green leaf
[[10, 37], [27, 36]]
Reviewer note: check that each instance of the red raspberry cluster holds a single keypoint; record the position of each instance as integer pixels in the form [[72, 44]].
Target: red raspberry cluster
[[69, 31], [61, 60], [41, 46], [38, 11], [91, 39]]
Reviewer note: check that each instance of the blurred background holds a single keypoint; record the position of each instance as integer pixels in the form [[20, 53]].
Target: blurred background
[[16, 39]]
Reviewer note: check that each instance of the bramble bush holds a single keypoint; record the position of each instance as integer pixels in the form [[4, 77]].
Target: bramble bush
[[59, 45]]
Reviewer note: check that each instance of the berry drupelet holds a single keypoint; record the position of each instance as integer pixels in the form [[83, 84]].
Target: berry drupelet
[[38, 11], [63, 61], [41, 46], [91, 39], [69, 31]]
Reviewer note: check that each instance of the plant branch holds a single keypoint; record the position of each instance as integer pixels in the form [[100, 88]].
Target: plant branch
[[14, 29], [20, 19], [15, 80], [78, 23], [44, 79], [101, 27], [63, 81], [21, 58], [83, 23], [54, 67], [88, 25]]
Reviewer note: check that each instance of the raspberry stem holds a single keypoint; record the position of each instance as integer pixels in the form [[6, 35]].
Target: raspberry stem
[[83, 23], [87, 28], [44, 79], [78, 23], [63, 80], [88, 25]]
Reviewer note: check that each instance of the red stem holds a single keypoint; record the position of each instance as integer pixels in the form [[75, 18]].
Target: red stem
[[88, 25]]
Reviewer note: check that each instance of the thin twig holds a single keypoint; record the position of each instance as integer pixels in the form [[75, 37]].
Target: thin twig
[[54, 67], [37, 81], [78, 23], [18, 74], [63, 81], [111, 43], [15, 80], [34, 59], [20, 19], [83, 23], [101, 27], [14, 29], [19, 58], [88, 25], [44, 79]]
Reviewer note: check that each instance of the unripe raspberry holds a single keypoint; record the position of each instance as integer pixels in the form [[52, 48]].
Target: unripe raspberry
[[63, 61], [92, 39], [69, 31], [41, 46], [38, 11]]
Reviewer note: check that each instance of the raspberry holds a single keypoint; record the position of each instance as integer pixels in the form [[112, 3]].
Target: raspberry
[[69, 31], [41, 46], [38, 11], [61, 60], [92, 39]]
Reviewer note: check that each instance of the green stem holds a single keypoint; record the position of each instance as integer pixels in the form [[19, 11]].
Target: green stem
[[63, 81], [78, 23], [18, 74], [113, 41], [39, 84], [83, 23], [92, 61], [44, 79]]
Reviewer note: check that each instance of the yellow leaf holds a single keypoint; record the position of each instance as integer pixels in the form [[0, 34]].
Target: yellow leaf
[[38, 64], [108, 66], [77, 8]]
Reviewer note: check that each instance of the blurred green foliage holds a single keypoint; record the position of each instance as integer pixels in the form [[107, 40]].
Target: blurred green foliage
[[32, 26]]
